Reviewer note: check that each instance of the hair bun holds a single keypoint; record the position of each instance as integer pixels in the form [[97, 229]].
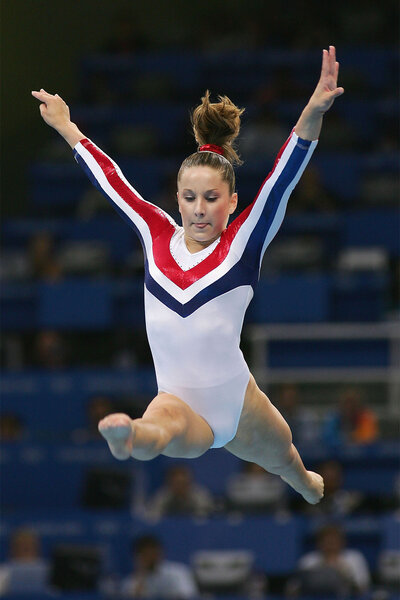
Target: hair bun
[[218, 123]]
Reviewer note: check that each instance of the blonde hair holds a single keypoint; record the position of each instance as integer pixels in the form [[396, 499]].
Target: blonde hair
[[216, 123]]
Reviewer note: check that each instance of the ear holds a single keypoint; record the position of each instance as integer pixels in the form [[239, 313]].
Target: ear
[[233, 200]]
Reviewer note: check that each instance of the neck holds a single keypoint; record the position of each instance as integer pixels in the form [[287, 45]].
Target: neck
[[196, 246]]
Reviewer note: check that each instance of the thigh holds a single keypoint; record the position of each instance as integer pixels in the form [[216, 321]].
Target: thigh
[[219, 405], [261, 427], [190, 434]]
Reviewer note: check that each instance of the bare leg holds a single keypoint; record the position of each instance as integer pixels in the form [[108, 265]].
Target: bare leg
[[264, 437], [169, 426]]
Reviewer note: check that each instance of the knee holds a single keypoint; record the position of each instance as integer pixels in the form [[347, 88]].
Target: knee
[[168, 414]]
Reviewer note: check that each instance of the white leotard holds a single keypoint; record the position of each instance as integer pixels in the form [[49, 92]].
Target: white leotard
[[195, 303]]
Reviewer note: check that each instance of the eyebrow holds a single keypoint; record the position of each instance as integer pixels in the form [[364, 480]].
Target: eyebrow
[[214, 190]]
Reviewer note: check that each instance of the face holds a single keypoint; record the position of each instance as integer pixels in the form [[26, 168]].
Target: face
[[149, 557], [331, 543], [205, 204], [179, 482], [332, 474], [24, 545]]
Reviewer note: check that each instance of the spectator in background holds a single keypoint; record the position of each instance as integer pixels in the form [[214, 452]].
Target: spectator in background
[[155, 577], [255, 490], [302, 421], [50, 351], [353, 422], [26, 571], [180, 495], [337, 502], [331, 570], [43, 261], [12, 428], [97, 408]]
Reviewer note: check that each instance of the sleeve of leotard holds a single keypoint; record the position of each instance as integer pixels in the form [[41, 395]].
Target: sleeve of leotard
[[262, 219], [105, 174]]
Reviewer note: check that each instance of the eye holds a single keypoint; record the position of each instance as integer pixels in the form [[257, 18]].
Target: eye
[[189, 198], [212, 198]]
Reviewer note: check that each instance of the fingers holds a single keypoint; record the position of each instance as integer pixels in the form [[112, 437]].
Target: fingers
[[329, 62], [325, 67], [41, 92], [37, 95], [44, 96], [332, 62], [336, 93]]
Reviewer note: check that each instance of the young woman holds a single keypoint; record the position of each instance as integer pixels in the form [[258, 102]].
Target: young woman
[[199, 280]]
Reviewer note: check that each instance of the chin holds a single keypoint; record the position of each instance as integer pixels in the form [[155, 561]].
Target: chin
[[205, 239], [200, 235]]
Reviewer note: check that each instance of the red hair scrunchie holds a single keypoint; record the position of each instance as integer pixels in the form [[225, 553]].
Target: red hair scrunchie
[[212, 148]]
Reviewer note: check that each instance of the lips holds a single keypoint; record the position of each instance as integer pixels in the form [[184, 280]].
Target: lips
[[200, 225]]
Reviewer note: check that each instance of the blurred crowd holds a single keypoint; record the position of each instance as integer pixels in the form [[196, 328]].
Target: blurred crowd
[[351, 421], [330, 566]]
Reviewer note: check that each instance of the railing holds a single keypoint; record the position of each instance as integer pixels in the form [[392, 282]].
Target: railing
[[261, 335]]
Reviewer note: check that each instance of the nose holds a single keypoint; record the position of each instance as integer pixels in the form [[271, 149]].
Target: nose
[[199, 208]]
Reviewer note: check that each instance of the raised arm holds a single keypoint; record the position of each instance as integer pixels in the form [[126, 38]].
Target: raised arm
[[146, 218], [264, 216], [55, 113], [309, 125]]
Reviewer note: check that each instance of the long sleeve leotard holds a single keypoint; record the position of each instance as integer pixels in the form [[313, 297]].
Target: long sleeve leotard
[[195, 304]]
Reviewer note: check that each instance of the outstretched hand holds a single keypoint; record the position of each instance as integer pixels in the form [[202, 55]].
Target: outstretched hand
[[326, 91], [55, 113], [53, 109]]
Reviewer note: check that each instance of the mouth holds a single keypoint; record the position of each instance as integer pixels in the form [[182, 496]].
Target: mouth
[[200, 225]]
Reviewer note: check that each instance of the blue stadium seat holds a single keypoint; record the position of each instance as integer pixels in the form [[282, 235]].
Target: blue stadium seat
[[273, 300], [53, 404]]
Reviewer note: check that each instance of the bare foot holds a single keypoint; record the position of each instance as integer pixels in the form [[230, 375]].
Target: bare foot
[[314, 492], [117, 430]]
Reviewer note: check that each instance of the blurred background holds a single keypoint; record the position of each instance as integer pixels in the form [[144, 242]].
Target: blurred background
[[322, 335]]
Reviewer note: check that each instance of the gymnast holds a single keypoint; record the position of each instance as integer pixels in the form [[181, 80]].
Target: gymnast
[[199, 280]]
